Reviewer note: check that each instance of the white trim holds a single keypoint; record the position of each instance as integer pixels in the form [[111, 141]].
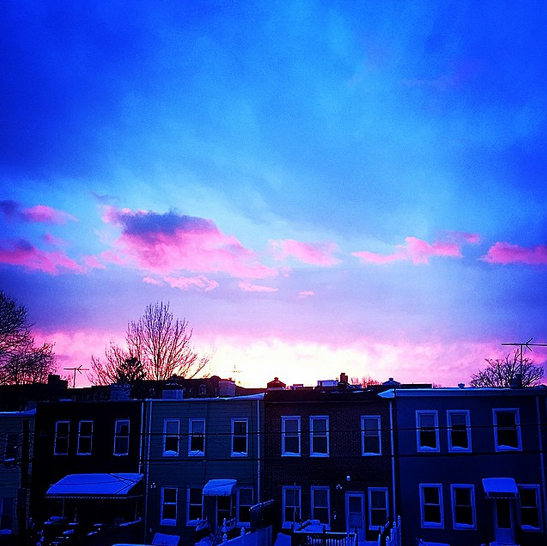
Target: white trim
[[385, 491], [537, 490], [319, 434], [378, 420], [497, 445], [419, 446], [84, 436], [238, 507], [120, 436], [463, 526], [313, 489], [67, 437], [169, 521], [431, 524], [191, 434], [458, 449], [285, 435], [233, 437], [171, 435], [192, 522], [297, 517]]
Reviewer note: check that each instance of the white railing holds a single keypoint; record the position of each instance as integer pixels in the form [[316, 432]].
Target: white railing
[[393, 538]]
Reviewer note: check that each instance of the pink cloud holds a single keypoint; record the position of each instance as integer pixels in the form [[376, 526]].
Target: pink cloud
[[248, 287], [46, 215], [415, 250], [54, 241], [22, 253], [166, 243], [185, 283], [506, 253], [320, 254], [93, 262], [151, 280], [306, 294]]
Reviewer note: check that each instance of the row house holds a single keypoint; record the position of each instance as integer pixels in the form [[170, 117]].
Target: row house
[[470, 464], [328, 459]]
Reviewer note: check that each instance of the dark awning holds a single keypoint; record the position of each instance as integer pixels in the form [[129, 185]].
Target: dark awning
[[101, 486], [219, 488], [500, 488]]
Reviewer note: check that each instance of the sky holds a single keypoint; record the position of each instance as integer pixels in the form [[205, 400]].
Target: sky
[[317, 187]]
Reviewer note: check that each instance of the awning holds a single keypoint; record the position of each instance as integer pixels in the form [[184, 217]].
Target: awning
[[219, 488], [500, 488], [101, 486]]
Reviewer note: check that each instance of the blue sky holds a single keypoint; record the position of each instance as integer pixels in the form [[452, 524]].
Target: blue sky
[[317, 187]]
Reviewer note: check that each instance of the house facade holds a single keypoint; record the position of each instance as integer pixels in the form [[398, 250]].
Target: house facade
[[470, 464], [203, 464]]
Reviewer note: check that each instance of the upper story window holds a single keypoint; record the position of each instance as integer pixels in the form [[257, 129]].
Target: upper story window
[[319, 436], [507, 430], [459, 430], [427, 430], [240, 440], [463, 506], [169, 498], [193, 505], [290, 436], [320, 505], [171, 435], [62, 432], [85, 437], [196, 438], [292, 501], [121, 437], [371, 443], [431, 505], [378, 511], [530, 519]]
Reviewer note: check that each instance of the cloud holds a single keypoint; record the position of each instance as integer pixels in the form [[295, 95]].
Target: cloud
[[506, 253], [306, 294], [38, 214], [93, 262], [310, 253], [22, 253], [185, 283], [418, 251], [167, 243], [248, 287]]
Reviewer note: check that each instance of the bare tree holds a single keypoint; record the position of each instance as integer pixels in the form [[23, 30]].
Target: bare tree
[[21, 362], [365, 381], [502, 372], [157, 344]]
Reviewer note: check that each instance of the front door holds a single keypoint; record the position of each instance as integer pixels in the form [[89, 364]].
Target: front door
[[504, 524], [355, 515]]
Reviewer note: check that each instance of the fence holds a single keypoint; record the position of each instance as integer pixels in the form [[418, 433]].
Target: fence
[[390, 536]]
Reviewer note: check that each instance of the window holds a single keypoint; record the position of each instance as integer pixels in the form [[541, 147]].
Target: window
[[529, 507], [10, 447], [371, 435], [463, 506], [239, 438], [85, 437], [378, 513], [169, 497], [459, 431], [196, 438], [6, 513], [62, 431], [427, 431], [431, 505], [319, 436], [320, 505], [290, 436], [244, 503], [171, 431], [507, 429], [121, 437], [224, 509], [291, 505], [193, 504]]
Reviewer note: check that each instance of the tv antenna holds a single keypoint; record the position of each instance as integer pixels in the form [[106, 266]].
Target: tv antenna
[[76, 369], [527, 345]]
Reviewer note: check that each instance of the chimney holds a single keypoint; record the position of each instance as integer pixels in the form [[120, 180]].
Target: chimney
[[343, 378]]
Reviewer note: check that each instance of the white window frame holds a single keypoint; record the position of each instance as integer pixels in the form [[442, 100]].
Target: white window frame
[[497, 445], [420, 447], [192, 522], [463, 526], [167, 435], [385, 491], [119, 436], [239, 506], [457, 449], [364, 451], [537, 490], [234, 436], [430, 524], [191, 434], [313, 489], [298, 489], [169, 521], [84, 437], [57, 437], [284, 435], [314, 434]]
